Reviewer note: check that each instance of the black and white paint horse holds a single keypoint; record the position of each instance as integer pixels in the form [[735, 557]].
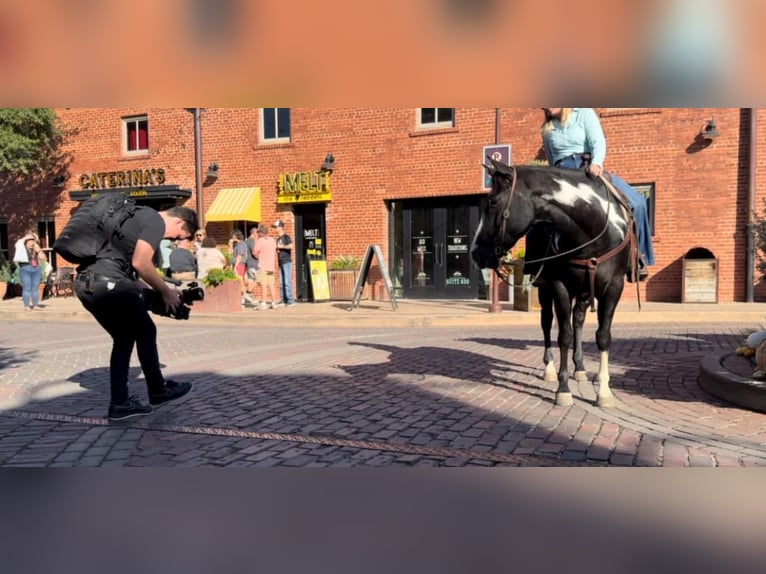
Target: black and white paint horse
[[589, 256]]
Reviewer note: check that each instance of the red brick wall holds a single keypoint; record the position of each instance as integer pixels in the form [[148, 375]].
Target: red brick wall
[[701, 192]]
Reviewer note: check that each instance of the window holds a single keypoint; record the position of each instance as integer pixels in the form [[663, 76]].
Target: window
[[5, 254], [135, 135], [647, 190], [275, 125], [46, 231], [436, 117]]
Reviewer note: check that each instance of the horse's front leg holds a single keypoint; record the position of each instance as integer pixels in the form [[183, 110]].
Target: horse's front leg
[[578, 320], [545, 297], [606, 308], [563, 306]]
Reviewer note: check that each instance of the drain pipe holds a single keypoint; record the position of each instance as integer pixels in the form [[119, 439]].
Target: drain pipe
[[750, 254], [198, 164], [495, 306]]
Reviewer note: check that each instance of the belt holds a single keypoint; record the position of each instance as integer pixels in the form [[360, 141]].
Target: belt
[[583, 156], [97, 277]]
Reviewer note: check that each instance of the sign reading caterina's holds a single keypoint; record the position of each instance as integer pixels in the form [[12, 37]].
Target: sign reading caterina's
[[304, 187], [128, 178]]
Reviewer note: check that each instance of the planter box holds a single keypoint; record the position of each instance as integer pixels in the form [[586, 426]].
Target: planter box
[[225, 298], [342, 283], [524, 294]]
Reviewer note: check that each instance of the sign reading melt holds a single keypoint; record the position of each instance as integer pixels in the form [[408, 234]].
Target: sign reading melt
[[304, 187]]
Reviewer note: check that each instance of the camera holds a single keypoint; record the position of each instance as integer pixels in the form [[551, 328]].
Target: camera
[[189, 294]]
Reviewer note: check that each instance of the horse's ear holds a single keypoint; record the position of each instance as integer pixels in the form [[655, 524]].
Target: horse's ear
[[490, 168], [499, 166]]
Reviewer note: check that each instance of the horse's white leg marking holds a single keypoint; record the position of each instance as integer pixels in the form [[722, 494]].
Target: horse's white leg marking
[[550, 375], [581, 376], [605, 396], [564, 400]]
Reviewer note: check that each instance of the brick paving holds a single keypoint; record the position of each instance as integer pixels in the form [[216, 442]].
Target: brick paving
[[372, 397]]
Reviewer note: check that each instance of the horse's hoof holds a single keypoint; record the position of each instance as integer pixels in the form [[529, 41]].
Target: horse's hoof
[[581, 376], [550, 377], [606, 401], [564, 400]]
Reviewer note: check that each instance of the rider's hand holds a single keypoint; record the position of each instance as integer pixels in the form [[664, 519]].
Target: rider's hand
[[595, 170]]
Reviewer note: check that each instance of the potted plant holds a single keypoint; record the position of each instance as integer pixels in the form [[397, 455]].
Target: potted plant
[[524, 293], [5, 277], [223, 292], [343, 274]]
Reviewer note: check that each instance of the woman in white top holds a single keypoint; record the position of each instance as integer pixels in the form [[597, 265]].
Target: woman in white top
[[209, 257], [30, 258]]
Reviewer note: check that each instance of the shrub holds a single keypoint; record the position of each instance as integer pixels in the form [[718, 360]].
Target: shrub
[[217, 276], [346, 262]]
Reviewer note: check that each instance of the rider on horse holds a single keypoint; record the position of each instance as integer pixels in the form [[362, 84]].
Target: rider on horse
[[573, 139]]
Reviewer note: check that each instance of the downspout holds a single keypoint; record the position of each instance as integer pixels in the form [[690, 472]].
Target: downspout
[[495, 306], [198, 164], [750, 254]]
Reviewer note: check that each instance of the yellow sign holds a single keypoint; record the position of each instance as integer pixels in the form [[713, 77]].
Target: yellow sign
[[304, 187], [128, 178], [320, 280]]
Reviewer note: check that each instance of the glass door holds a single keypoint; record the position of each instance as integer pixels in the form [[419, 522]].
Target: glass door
[[437, 262]]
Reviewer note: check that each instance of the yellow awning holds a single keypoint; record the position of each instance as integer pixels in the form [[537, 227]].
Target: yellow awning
[[236, 204]]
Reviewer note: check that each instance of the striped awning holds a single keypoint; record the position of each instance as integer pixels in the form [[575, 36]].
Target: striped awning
[[236, 204]]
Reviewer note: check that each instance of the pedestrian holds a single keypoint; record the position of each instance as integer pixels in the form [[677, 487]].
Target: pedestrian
[[30, 258], [574, 139], [110, 291], [251, 268], [209, 257], [199, 236], [166, 248], [285, 260], [265, 251], [238, 249], [183, 265]]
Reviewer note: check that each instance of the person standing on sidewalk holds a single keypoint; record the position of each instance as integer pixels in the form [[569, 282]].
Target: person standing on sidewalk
[[285, 260], [29, 257], [265, 251], [109, 290]]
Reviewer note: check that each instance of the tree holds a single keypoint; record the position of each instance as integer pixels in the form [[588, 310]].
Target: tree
[[29, 141]]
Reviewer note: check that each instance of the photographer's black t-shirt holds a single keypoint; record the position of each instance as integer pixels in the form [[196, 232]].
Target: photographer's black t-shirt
[[146, 224]]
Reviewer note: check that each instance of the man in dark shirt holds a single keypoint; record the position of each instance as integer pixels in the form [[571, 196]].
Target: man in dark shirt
[[109, 290], [183, 264]]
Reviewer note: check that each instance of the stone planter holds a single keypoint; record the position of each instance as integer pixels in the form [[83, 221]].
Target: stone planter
[[224, 298]]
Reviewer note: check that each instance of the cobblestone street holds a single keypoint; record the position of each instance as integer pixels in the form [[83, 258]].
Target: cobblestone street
[[370, 397]]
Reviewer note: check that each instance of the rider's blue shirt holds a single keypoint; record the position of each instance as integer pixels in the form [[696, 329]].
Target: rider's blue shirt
[[581, 134]]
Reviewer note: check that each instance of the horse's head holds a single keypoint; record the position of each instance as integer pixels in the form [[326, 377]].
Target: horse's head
[[507, 214]]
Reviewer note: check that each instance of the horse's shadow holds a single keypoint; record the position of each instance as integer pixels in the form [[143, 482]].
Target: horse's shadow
[[454, 364]]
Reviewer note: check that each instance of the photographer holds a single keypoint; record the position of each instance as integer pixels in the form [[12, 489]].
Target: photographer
[[109, 289]]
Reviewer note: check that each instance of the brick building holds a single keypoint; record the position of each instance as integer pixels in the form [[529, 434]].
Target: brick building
[[402, 178]]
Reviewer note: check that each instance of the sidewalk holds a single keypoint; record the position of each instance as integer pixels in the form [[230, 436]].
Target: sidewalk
[[410, 313]]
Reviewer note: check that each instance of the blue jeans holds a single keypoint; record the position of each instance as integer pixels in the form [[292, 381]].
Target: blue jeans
[[637, 202], [286, 282], [30, 279]]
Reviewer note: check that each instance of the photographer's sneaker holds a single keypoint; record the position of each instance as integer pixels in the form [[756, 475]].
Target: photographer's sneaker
[[172, 392], [277, 304], [129, 409]]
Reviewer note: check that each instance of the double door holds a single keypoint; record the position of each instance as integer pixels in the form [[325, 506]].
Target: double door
[[436, 250]]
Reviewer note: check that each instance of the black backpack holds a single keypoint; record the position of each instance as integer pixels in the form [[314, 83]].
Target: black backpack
[[93, 226]]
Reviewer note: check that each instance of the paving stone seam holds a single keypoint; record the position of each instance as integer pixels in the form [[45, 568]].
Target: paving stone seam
[[500, 457]]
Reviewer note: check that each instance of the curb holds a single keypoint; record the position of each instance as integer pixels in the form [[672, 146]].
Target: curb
[[718, 381]]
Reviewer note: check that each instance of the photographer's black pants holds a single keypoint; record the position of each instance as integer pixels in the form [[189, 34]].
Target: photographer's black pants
[[119, 309]]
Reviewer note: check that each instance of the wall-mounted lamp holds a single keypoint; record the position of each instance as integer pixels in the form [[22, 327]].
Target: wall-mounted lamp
[[709, 131], [329, 163], [212, 171]]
